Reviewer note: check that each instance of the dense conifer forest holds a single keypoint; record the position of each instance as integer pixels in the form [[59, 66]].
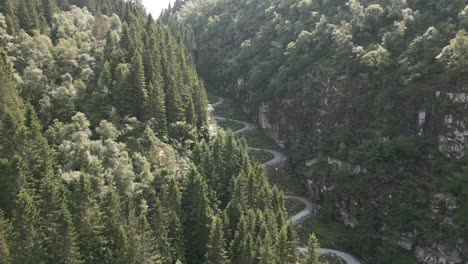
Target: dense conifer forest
[[105, 150], [199, 136], [370, 95]]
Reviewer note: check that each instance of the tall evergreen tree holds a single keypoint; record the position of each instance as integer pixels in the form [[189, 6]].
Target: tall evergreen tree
[[143, 248], [88, 221], [48, 8], [174, 109], [119, 97], [155, 109], [167, 224], [115, 228], [312, 250], [27, 16], [27, 246], [8, 9], [5, 238], [137, 94], [197, 217], [286, 245], [60, 240], [216, 252]]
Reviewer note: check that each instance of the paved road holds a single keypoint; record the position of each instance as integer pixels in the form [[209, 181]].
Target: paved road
[[345, 256], [247, 126], [308, 211], [279, 158], [220, 102], [309, 206]]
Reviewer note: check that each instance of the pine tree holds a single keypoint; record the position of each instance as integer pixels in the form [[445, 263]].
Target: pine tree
[[88, 222], [101, 96], [48, 8], [312, 250], [10, 17], [197, 211], [27, 16], [216, 253], [155, 109], [59, 244], [63, 4], [143, 247], [119, 97], [137, 95], [203, 159], [174, 109], [127, 42], [12, 131], [115, 228], [286, 245], [5, 237], [167, 225], [35, 149], [27, 248], [200, 101]]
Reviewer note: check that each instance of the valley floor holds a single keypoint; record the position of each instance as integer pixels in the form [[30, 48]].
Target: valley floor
[[277, 163]]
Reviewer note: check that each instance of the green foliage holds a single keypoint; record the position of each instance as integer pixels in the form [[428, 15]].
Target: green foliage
[[376, 58], [312, 246], [5, 237], [455, 54], [86, 103], [216, 252], [349, 82], [197, 217]]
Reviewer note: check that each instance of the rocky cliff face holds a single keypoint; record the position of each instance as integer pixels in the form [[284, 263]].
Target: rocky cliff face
[[349, 210], [446, 121]]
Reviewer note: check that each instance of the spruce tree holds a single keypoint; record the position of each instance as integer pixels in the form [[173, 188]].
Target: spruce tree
[[174, 109], [197, 217], [312, 250], [216, 253], [203, 159], [60, 240], [115, 228], [119, 97], [48, 8], [27, 16], [88, 221], [12, 136], [200, 101], [143, 246], [28, 236], [5, 237], [155, 109], [36, 151], [10, 17], [137, 94]]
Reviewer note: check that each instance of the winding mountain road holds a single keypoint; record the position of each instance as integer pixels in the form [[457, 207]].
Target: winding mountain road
[[220, 102], [247, 126], [343, 255], [309, 209], [280, 158]]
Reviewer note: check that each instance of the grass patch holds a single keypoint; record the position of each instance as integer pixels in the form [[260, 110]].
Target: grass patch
[[257, 139], [261, 156], [212, 98], [229, 124], [229, 109], [293, 206], [330, 234], [286, 180], [334, 235]]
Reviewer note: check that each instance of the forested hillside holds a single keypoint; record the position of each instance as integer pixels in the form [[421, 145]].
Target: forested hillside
[[371, 94], [106, 155]]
